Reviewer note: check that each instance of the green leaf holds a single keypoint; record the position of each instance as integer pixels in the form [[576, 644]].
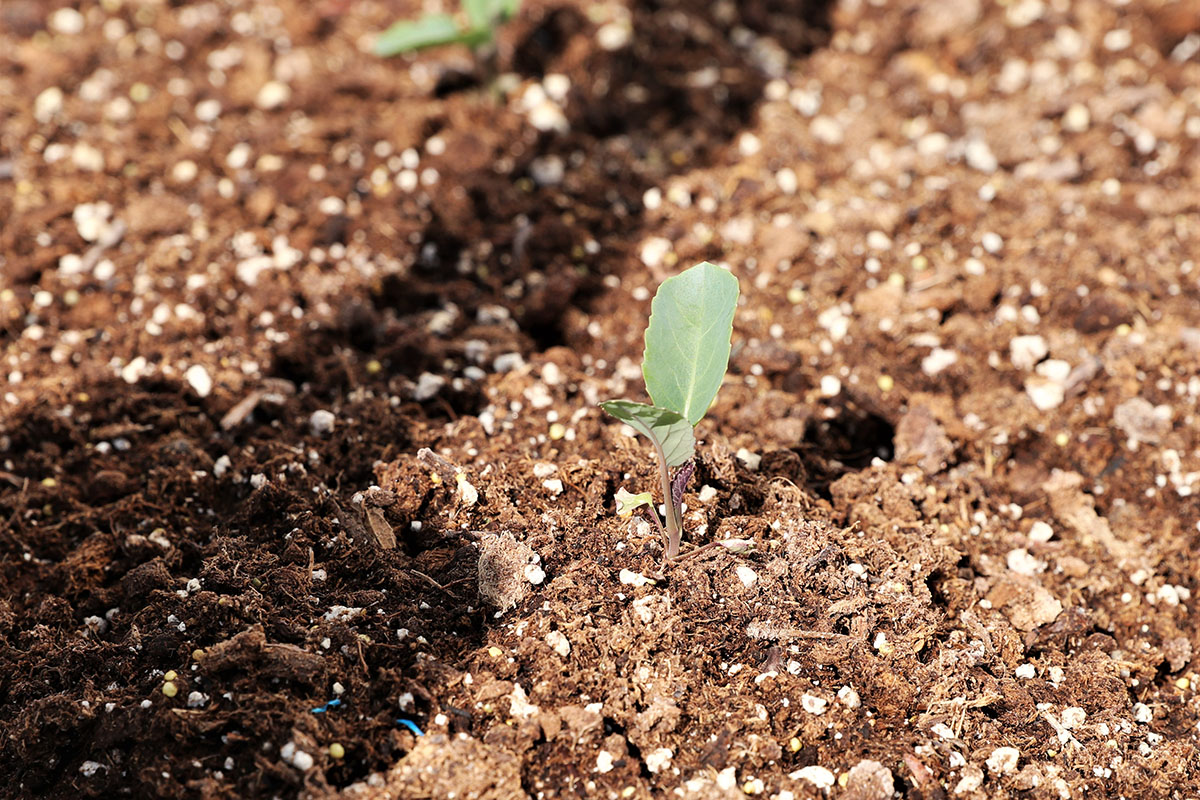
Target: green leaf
[[627, 502], [687, 340], [480, 13], [485, 15], [667, 429], [430, 31]]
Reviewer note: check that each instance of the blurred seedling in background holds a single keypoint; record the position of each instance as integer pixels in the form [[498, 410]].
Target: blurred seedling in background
[[475, 27], [686, 355]]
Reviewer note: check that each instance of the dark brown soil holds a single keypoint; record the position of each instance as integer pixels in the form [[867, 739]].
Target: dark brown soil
[[249, 273]]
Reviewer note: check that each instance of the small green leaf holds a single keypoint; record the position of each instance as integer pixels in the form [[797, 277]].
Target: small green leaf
[[485, 15], [667, 429], [687, 340], [480, 13], [430, 31], [627, 502]]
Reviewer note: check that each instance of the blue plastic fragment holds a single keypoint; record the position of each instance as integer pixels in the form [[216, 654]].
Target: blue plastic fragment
[[412, 726], [334, 703]]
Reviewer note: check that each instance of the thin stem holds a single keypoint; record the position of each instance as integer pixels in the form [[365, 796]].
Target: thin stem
[[672, 514], [697, 551]]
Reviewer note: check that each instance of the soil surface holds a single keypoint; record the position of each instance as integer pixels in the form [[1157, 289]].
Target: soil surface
[[304, 491]]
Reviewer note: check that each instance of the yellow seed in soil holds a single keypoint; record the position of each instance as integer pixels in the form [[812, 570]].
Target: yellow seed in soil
[[919, 263], [795, 295], [1182, 683], [495, 652], [7, 296], [49, 483], [374, 367], [170, 689], [1062, 439], [1051, 753], [896, 279], [139, 93], [794, 744], [558, 431], [197, 654], [628, 791], [843, 779], [170, 675], [1123, 329], [336, 751], [886, 383], [82, 397], [435, 479]]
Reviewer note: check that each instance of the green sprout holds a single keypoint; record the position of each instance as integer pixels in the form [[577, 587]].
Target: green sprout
[[483, 17], [687, 352]]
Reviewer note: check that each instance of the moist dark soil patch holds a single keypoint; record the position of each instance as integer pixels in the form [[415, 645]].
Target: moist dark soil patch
[[303, 487]]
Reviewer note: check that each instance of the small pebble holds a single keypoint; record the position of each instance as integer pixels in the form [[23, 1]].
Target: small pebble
[[198, 378], [1040, 532], [559, 643], [48, 104], [272, 95], [658, 759], [428, 385], [1073, 717], [321, 422], [747, 576], [938, 360], [750, 459], [1003, 760], [818, 776], [66, 21], [1026, 351], [813, 704]]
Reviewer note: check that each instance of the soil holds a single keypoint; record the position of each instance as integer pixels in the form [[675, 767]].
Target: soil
[[303, 487]]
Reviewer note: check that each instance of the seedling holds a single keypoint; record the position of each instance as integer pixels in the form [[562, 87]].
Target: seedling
[[687, 352], [482, 18]]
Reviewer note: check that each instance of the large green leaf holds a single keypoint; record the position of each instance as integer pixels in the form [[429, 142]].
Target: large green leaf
[[687, 341], [667, 429], [428, 31]]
